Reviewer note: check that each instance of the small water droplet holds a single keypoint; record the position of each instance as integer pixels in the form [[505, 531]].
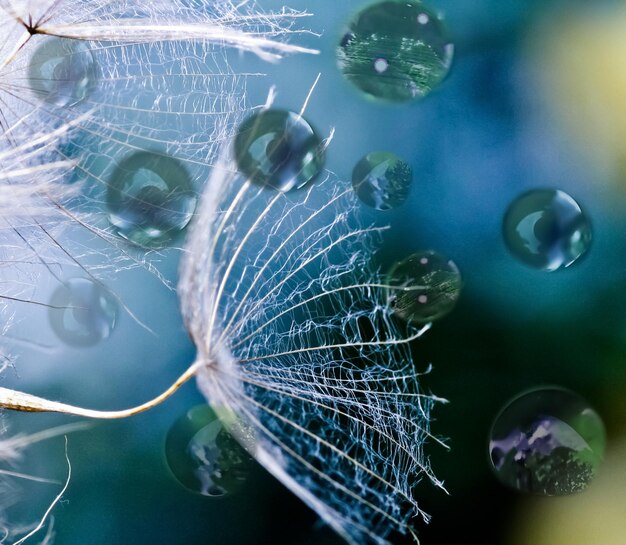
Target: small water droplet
[[382, 180], [429, 286], [395, 51], [203, 456], [547, 441], [278, 149], [546, 229], [150, 199], [62, 72], [84, 312]]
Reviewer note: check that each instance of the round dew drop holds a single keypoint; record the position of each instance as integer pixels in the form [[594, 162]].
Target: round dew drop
[[547, 441], [395, 51], [82, 312], [62, 72], [382, 180], [150, 199], [278, 149], [426, 287], [546, 229], [203, 456]]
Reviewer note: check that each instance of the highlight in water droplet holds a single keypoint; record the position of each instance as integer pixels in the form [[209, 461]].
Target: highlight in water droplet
[[395, 51], [547, 229], [278, 149], [203, 456], [150, 199], [427, 286], [62, 72], [382, 180], [82, 312], [547, 441]]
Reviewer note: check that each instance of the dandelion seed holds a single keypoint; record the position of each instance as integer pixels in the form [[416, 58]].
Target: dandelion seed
[[86, 84], [294, 339], [294, 336]]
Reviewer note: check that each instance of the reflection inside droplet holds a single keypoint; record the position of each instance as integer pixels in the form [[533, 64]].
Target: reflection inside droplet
[[203, 456], [547, 441], [278, 149], [380, 65], [395, 51], [382, 180], [82, 312], [427, 286], [546, 229], [150, 199], [62, 71]]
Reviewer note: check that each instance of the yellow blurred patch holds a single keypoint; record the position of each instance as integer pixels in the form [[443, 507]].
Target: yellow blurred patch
[[594, 517], [581, 62]]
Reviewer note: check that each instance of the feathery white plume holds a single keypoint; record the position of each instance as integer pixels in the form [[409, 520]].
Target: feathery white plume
[[296, 339]]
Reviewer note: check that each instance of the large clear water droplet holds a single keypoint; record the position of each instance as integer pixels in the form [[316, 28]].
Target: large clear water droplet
[[150, 199], [382, 180], [82, 312], [279, 149], [546, 229], [62, 72], [203, 456], [547, 441], [427, 286], [395, 51]]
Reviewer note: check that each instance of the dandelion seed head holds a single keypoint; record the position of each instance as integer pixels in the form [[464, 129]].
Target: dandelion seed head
[[85, 85], [294, 337], [289, 318], [154, 77]]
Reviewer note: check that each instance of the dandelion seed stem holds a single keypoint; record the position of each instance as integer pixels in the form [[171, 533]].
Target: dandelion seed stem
[[136, 32], [20, 401]]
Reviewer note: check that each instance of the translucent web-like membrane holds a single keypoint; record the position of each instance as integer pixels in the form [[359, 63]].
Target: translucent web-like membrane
[[161, 84], [296, 338]]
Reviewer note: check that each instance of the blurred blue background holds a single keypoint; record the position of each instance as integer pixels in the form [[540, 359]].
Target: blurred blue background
[[532, 101]]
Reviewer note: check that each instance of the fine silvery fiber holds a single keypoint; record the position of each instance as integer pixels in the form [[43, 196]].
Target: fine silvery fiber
[[295, 338]]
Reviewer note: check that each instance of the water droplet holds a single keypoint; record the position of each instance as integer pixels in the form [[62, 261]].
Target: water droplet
[[547, 441], [382, 180], [279, 149], [84, 312], [430, 287], [546, 229], [62, 72], [395, 51], [203, 456], [150, 199]]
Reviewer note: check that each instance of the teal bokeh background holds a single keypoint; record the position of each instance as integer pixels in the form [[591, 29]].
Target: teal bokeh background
[[482, 138]]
